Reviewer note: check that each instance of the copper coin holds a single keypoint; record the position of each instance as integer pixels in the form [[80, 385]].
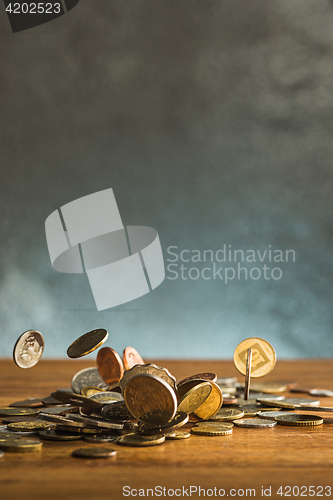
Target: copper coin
[[27, 403], [131, 357], [110, 365]]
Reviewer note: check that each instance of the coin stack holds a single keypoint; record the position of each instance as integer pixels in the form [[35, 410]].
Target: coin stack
[[126, 401]]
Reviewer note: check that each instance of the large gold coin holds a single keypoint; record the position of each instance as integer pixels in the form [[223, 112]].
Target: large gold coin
[[263, 357], [195, 397], [150, 399], [87, 343], [212, 404], [298, 420]]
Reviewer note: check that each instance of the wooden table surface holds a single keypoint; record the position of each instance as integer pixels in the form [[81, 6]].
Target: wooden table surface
[[247, 459]]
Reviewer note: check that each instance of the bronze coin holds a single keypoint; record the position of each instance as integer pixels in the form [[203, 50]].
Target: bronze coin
[[87, 343], [131, 357], [110, 365]]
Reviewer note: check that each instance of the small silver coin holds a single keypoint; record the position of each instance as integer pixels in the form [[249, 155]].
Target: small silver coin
[[87, 377], [94, 453], [28, 349], [100, 439], [270, 415], [255, 422]]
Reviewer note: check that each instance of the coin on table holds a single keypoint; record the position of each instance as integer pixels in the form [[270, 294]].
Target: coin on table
[[227, 414], [137, 440], [255, 422], [27, 403], [110, 366], [89, 390], [270, 397], [107, 397], [78, 430], [87, 343], [150, 399], [302, 401], [4, 412], [268, 387], [21, 445], [270, 415], [180, 419], [227, 381], [76, 400], [49, 401], [298, 420], [178, 435], [201, 376], [58, 410], [101, 438], [53, 435], [263, 357], [8, 435], [274, 403], [227, 425], [195, 397], [321, 393], [210, 430], [94, 422], [59, 419], [131, 357], [253, 410], [94, 453], [212, 404], [148, 369], [28, 349], [28, 426], [85, 377], [116, 411]]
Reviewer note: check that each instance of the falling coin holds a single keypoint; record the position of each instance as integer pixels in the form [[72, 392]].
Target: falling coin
[[263, 357], [131, 357], [298, 420], [28, 349], [94, 452], [136, 440], [255, 422], [110, 366], [87, 343]]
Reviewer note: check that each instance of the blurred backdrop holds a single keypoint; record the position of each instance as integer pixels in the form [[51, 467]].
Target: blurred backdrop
[[212, 121]]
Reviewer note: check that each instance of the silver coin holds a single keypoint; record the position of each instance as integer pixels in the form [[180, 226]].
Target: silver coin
[[107, 397], [87, 377], [60, 420], [28, 349], [254, 422], [77, 400], [92, 422], [100, 439], [270, 415], [302, 401], [56, 410], [321, 393], [149, 369], [226, 381], [273, 397]]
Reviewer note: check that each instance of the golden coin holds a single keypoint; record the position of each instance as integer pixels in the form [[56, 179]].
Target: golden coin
[[272, 402], [212, 404], [227, 414], [4, 412], [21, 445], [298, 420], [28, 426], [88, 390], [263, 357], [28, 349], [131, 357], [209, 430], [227, 425], [194, 397], [87, 343], [150, 399], [177, 435], [211, 377], [110, 366], [268, 387], [136, 440]]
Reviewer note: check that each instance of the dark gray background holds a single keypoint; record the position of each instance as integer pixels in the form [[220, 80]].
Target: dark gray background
[[212, 121]]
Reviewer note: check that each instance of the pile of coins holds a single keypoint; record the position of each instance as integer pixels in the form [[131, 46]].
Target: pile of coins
[[128, 402]]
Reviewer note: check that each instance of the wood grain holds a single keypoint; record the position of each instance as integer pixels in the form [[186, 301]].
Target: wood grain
[[247, 459]]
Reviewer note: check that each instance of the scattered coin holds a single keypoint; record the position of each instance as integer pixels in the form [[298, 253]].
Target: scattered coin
[[227, 414], [270, 415], [27, 403], [268, 387], [23, 418], [227, 425], [100, 438], [212, 404], [78, 430], [4, 412], [136, 440], [107, 397], [316, 408], [94, 453], [93, 422], [195, 397], [290, 402], [131, 357], [149, 369], [178, 435], [87, 343], [321, 393], [116, 411], [180, 419], [212, 377], [210, 430], [255, 422], [8, 435], [28, 349], [298, 420], [150, 399], [253, 410], [21, 445], [53, 435], [87, 376], [89, 390], [76, 399], [263, 357], [49, 401], [58, 410], [109, 365], [28, 426]]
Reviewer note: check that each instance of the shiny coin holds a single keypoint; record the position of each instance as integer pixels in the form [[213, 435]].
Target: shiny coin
[[148, 369], [212, 404], [110, 365], [255, 422], [227, 414], [180, 419], [131, 357], [28, 426], [272, 414], [274, 403], [59, 419], [195, 397], [263, 357], [227, 425], [4, 412], [321, 393], [21, 445], [116, 411], [87, 376], [177, 435], [199, 376], [136, 440], [316, 408], [210, 430], [93, 422], [28, 349], [298, 420], [27, 403], [270, 397], [87, 343], [89, 390], [107, 397], [150, 399], [52, 435], [94, 453], [76, 399], [100, 438]]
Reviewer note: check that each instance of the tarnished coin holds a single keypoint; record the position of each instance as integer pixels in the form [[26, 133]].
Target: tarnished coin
[[150, 399], [210, 430], [212, 377], [110, 365], [137, 440], [4, 412], [21, 445], [24, 418], [94, 453], [101, 438], [131, 357], [89, 390], [177, 435], [180, 419], [53, 435], [298, 420], [107, 397], [270, 415], [263, 357], [255, 422], [28, 349], [27, 403], [87, 343], [195, 397], [149, 369], [227, 425], [227, 414], [116, 411], [87, 376], [28, 426], [76, 400]]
